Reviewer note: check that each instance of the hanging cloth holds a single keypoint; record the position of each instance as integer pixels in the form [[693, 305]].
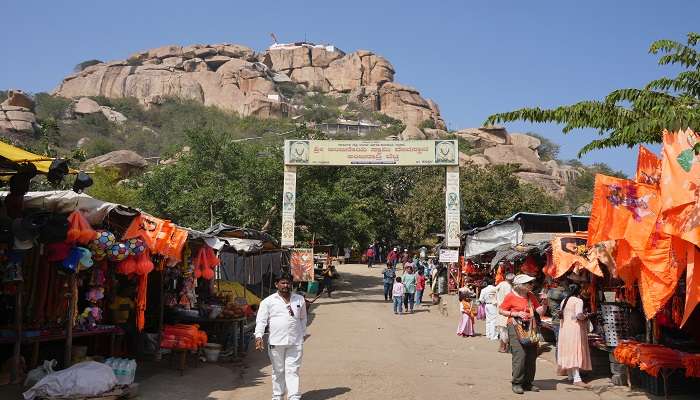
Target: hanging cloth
[[648, 167]]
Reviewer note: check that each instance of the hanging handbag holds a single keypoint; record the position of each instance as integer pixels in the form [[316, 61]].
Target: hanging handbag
[[527, 331]]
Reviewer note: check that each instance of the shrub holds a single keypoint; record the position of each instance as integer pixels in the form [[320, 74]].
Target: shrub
[[81, 66]]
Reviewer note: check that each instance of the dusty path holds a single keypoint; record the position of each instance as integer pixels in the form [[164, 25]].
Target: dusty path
[[358, 349]]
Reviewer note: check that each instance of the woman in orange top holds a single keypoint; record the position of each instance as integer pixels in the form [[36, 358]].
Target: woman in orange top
[[517, 306]]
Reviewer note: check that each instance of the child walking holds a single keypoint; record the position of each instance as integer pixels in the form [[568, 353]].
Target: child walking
[[466, 322], [397, 293]]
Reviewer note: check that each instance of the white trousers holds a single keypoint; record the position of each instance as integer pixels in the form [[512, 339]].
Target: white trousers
[[286, 361], [491, 315]]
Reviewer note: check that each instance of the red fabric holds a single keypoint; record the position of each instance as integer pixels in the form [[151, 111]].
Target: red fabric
[[57, 251], [141, 302], [370, 252]]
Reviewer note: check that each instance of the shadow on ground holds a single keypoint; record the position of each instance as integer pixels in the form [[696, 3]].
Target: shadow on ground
[[324, 394]]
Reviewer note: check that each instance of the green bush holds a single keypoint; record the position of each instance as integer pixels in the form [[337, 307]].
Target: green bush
[[81, 66], [427, 124], [48, 106]]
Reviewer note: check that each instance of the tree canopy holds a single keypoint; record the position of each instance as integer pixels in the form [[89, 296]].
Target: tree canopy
[[627, 117]]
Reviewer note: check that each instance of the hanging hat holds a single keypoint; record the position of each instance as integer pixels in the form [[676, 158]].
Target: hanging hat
[[82, 181], [522, 279], [57, 170], [72, 262]]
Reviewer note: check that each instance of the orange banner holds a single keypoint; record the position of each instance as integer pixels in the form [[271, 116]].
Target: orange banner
[[622, 209], [648, 167]]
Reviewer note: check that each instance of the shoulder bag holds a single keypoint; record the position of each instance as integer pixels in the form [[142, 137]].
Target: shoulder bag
[[527, 331]]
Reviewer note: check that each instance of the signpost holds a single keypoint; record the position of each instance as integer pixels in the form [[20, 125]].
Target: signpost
[[448, 256]]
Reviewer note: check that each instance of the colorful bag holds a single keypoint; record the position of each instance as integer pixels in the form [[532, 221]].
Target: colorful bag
[[527, 331]]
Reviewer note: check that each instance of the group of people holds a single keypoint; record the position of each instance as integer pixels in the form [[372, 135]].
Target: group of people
[[511, 306], [405, 291]]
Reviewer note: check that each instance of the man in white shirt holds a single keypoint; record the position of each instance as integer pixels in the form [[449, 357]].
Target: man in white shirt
[[502, 290], [285, 314]]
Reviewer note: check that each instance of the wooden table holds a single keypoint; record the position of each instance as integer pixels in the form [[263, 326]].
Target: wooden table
[[35, 341]]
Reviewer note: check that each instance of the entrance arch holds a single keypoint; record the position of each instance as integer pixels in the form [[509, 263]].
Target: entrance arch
[[389, 153]]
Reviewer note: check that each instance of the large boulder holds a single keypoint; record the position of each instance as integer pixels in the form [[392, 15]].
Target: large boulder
[[312, 78], [406, 104], [322, 56], [16, 120], [431, 133], [17, 98], [484, 136], [86, 106], [523, 140], [412, 132], [126, 161], [281, 58], [525, 158], [564, 173], [112, 115]]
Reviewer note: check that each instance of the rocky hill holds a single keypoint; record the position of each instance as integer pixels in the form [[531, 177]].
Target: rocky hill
[[235, 77], [146, 102]]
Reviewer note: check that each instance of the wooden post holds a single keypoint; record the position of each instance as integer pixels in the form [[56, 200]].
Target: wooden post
[[17, 353], [72, 287]]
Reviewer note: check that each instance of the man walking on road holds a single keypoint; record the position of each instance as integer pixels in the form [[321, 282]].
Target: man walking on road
[[285, 315]]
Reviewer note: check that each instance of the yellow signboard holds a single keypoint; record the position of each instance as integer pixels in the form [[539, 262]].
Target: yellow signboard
[[371, 152]]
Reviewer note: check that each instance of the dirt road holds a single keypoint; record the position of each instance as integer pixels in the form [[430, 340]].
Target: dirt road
[[358, 349]]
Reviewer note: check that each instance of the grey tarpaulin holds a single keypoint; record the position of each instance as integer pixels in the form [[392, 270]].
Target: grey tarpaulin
[[482, 240], [67, 201]]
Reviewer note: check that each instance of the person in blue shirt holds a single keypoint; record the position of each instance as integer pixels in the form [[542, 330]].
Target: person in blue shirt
[[389, 274]]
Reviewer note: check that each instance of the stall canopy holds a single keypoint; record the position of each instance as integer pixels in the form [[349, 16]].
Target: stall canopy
[[11, 157], [521, 228], [243, 239], [67, 201]]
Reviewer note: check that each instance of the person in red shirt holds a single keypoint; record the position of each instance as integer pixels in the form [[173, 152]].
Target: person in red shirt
[[370, 256], [518, 306], [420, 287]]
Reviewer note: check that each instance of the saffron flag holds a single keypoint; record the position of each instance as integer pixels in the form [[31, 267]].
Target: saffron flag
[[623, 209], [680, 185], [692, 284], [648, 167]]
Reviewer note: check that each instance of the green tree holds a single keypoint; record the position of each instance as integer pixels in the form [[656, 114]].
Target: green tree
[[579, 192], [547, 149], [108, 186], [627, 117]]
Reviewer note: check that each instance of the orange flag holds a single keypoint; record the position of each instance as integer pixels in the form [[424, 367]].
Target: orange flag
[[661, 267], [680, 185], [648, 167], [623, 209], [692, 284]]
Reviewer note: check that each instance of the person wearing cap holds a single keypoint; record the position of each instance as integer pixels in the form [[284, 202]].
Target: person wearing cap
[[502, 290], [393, 257], [518, 306], [284, 313]]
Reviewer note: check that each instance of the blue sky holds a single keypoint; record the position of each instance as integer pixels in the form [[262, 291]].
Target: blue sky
[[473, 58]]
